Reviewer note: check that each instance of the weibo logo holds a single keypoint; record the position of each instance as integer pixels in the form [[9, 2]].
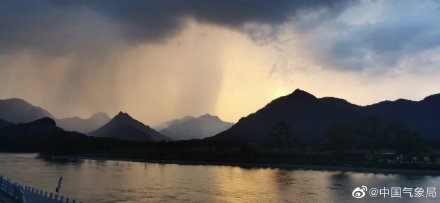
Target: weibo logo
[[359, 192]]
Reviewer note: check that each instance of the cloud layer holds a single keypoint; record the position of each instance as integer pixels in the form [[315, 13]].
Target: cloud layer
[[162, 59], [345, 35], [59, 25], [379, 35]]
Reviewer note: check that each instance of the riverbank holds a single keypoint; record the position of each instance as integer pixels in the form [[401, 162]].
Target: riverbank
[[375, 170]]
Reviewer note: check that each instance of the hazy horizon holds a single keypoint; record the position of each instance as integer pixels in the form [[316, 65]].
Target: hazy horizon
[[162, 60], [200, 115]]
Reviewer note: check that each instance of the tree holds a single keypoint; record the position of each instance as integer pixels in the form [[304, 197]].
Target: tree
[[403, 140], [341, 137], [282, 135], [371, 131], [248, 148]]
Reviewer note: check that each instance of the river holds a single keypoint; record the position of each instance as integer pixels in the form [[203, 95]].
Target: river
[[125, 181]]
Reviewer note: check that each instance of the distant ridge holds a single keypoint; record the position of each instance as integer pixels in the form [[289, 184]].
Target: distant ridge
[[124, 127], [422, 116], [190, 127], [309, 117], [84, 125], [20, 111], [32, 136]]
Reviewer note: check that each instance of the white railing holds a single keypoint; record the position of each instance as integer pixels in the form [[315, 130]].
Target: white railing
[[28, 194], [12, 189]]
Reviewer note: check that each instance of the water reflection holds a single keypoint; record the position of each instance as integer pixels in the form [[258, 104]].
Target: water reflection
[[122, 181]]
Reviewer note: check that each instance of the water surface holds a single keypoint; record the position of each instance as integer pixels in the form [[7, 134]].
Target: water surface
[[124, 181]]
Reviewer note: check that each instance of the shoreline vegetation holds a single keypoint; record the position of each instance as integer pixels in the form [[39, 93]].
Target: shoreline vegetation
[[368, 146], [294, 131], [289, 166], [364, 146]]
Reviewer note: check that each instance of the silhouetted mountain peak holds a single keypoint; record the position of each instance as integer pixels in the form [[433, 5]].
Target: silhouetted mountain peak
[[301, 94], [310, 118], [432, 98], [300, 110], [100, 116], [297, 96], [121, 113], [190, 127], [121, 116], [124, 127], [17, 101], [83, 125], [209, 116], [20, 111], [46, 122]]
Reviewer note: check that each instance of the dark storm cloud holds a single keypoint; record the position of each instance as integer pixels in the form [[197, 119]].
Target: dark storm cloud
[[58, 25], [403, 31], [383, 44]]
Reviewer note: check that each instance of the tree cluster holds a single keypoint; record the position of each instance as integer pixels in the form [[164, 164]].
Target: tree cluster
[[372, 134]]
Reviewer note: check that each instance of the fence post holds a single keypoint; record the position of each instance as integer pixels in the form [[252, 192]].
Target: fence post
[[1, 182], [21, 192], [15, 190], [7, 185]]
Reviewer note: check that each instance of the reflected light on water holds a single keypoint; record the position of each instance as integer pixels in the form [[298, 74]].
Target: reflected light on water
[[124, 181]]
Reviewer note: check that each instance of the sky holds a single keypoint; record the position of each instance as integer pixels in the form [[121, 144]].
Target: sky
[[163, 59]]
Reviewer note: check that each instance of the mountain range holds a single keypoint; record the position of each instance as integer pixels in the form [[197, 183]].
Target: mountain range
[[422, 116], [310, 117], [14, 111], [84, 125], [307, 117], [20, 111], [31, 136], [124, 127], [190, 127]]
